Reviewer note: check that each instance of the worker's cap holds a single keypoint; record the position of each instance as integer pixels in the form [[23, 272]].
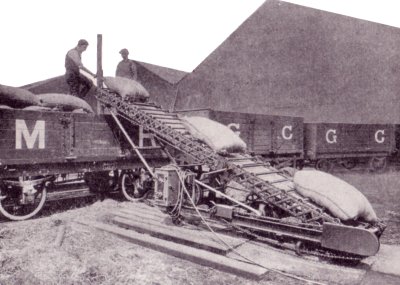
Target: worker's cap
[[124, 51], [83, 42]]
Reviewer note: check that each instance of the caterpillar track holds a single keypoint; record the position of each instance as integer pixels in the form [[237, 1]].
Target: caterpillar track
[[286, 216]]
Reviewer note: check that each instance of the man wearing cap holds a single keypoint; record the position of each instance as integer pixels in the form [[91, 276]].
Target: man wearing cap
[[126, 67], [79, 85]]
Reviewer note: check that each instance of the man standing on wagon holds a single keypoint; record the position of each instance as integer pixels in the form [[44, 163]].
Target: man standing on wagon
[[126, 67], [79, 85]]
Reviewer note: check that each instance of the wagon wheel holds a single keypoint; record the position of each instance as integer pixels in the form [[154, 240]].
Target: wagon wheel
[[17, 204], [131, 187], [349, 163], [377, 164], [324, 165]]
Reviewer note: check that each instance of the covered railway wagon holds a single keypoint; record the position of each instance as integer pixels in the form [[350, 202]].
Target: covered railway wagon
[[348, 144], [57, 151], [276, 138]]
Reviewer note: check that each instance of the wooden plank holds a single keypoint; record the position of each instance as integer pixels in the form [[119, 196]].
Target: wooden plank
[[160, 218], [146, 215], [195, 255], [142, 205], [171, 233]]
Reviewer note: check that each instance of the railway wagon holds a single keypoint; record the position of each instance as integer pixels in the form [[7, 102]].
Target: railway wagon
[[278, 139], [55, 155], [327, 144]]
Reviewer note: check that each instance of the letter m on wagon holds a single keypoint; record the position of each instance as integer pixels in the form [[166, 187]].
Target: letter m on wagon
[[30, 137]]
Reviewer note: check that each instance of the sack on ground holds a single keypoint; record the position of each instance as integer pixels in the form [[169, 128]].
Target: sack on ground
[[17, 97], [342, 199], [217, 136], [128, 89], [64, 102]]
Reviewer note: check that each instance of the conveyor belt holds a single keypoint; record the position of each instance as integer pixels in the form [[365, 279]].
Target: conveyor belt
[[269, 184]]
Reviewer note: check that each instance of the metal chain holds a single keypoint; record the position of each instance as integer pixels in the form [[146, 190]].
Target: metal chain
[[327, 255]]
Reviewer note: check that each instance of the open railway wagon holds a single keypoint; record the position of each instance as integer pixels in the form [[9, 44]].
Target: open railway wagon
[[239, 190], [277, 139], [327, 144], [47, 156]]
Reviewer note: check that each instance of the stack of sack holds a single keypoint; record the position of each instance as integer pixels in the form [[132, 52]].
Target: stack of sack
[[343, 200], [130, 90], [19, 98], [217, 136]]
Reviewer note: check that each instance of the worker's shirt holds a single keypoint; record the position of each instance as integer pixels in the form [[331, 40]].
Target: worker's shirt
[[126, 68], [73, 61]]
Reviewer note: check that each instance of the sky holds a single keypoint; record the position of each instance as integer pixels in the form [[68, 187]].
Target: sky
[[179, 34]]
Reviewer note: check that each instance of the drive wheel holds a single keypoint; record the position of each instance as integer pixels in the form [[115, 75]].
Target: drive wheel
[[17, 204], [130, 185]]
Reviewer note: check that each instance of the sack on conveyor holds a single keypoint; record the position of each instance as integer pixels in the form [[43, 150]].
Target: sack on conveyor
[[64, 102], [342, 199], [17, 97], [217, 136], [128, 89]]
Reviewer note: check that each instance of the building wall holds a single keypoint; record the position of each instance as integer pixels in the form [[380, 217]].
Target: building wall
[[161, 91], [293, 60]]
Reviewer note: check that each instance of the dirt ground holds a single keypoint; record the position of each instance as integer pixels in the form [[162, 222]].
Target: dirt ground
[[383, 191], [28, 254]]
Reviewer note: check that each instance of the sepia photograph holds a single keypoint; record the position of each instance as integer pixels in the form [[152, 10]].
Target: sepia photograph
[[200, 142]]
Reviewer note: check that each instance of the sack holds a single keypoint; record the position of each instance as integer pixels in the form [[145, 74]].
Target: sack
[[79, 111], [6, 107], [17, 97], [64, 102], [342, 199], [129, 89], [217, 136], [37, 108]]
